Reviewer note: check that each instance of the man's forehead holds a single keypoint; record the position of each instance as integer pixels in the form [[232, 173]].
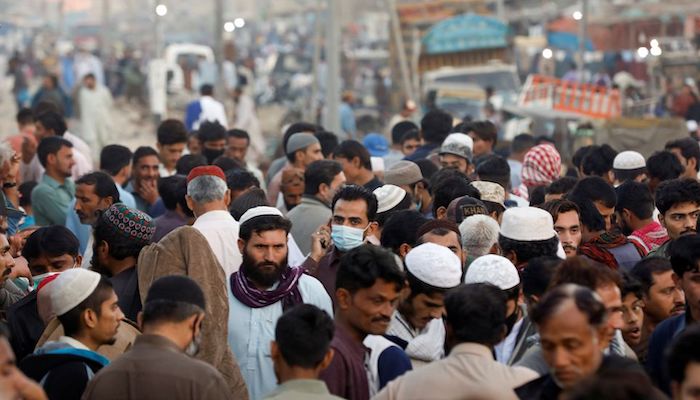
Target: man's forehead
[[684, 207], [148, 161], [448, 239], [350, 208]]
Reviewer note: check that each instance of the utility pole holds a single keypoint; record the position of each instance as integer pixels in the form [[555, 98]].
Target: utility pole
[[332, 115], [219, 46], [500, 10], [582, 40], [312, 110], [400, 50], [106, 28]]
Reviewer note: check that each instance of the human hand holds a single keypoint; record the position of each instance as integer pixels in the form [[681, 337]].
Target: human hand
[[149, 191], [320, 242]]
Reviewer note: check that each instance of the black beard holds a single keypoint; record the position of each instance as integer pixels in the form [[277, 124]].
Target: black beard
[[252, 271], [95, 263]]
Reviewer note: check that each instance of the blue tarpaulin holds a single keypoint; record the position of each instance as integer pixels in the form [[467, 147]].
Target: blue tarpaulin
[[566, 41], [464, 33]]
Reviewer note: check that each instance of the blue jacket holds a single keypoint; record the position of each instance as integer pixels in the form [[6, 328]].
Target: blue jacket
[[660, 341]]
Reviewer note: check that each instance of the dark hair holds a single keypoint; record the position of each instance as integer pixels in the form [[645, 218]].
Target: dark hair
[[24, 116], [120, 247], [630, 284], [560, 206], [318, 172], [241, 179], [684, 351], [206, 90], [263, 223], [583, 297], [580, 154], [172, 131], [476, 313], [485, 130], [427, 169], [211, 131], [47, 105], [303, 335], [435, 126], [535, 279], [676, 191], [585, 272], [143, 151], [103, 183], [525, 251], [446, 190], [25, 193], [400, 130], [328, 141], [53, 121], [598, 160], [635, 197], [685, 254], [615, 382], [588, 213], [350, 149], [254, 197], [521, 143], [689, 149], [562, 185], [114, 157], [72, 320], [494, 168], [361, 267], [51, 145], [401, 227], [537, 194], [156, 311], [227, 163], [645, 269], [625, 175], [52, 241], [238, 133], [188, 162], [404, 204], [410, 135], [354, 192], [594, 188], [664, 166], [172, 190]]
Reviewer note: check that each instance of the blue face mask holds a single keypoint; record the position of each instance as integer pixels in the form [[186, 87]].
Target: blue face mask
[[346, 238]]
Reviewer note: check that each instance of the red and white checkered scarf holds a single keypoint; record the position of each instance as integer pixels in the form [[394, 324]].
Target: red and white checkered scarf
[[541, 165]]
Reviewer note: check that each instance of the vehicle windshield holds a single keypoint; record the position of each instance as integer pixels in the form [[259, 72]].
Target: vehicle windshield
[[500, 81]]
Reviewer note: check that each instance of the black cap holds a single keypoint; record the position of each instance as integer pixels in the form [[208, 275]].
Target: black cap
[[465, 207], [176, 288]]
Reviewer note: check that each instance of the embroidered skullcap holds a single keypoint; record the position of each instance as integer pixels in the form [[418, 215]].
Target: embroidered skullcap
[[129, 223]]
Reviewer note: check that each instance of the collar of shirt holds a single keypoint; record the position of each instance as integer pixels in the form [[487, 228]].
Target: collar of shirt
[[72, 343], [504, 349], [313, 386], [214, 216], [349, 342], [173, 215], [161, 342], [475, 349], [54, 183]]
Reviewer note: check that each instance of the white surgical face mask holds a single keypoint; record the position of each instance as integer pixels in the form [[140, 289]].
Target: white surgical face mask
[[346, 238]]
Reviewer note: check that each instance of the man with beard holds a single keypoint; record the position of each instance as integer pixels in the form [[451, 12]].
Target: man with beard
[[144, 180], [678, 202], [86, 305], [662, 297], [261, 290], [172, 327], [208, 197], [567, 223], [51, 197], [119, 235], [94, 192], [635, 210]]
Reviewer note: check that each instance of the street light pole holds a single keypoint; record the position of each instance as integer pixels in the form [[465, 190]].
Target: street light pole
[[332, 120], [582, 40]]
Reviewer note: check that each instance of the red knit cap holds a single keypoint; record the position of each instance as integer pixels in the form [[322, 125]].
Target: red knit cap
[[212, 170]]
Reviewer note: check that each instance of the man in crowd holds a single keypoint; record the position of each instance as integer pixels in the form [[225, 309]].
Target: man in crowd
[[14, 383], [48, 250], [408, 176], [662, 166], [688, 154], [237, 146], [599, 162], [541, 167], [405, 139], [662, 297], [173, 191], [635, 216], [629, 166], [212, 136], [208, 198], [527, 232], [120, 233], [600, 193], [94, 107], [206, 108], [458, 156], [300, 352], [475, 323], [302, 149], [479, 236], [144, 180], [567, 223], [261, 290], [291, 188], [684, 365], [416, 325], [172, 139], [632, 310], [678, 202], [485, 136], [115, 160], [172, 326], [52, 196], [322, 179], [435, 126], [357, 166], [518, 148], [87, 308], [367, 288]]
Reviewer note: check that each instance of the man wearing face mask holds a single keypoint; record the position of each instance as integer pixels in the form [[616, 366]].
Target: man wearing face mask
[[212, 135], [353, 220], [172, 326]]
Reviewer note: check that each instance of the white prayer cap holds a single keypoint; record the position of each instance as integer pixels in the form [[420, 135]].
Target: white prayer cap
[[71, 288], [377, 164], [527, 224], [692, 125], [434, 265], [388, 197], [493, 269], [461, 138], [627, 160], [491, 191], [259, 212]]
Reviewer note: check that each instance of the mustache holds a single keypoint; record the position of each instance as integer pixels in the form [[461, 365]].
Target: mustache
[[381, 319], [568, 246], [6, 272]]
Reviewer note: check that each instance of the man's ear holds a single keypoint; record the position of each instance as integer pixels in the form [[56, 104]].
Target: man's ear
[[603, 337], [78, 261], [510, 255], [404, 249], [356, 162], [344, 298], [676, 279], [90, 318], [227, 197], [274, 351], [241, 245], [327, 359], [441, 213], [50, 159], [372, 229], [190, 202]]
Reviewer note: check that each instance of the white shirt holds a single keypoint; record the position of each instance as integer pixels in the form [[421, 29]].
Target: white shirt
[[80, 145], [504, 349], [72, 343], [212, 110], [221, 231]]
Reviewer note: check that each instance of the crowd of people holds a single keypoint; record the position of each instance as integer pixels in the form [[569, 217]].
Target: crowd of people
[[438, 264]]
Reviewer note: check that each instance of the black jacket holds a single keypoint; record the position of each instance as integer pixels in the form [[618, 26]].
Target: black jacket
[[26, 326]]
